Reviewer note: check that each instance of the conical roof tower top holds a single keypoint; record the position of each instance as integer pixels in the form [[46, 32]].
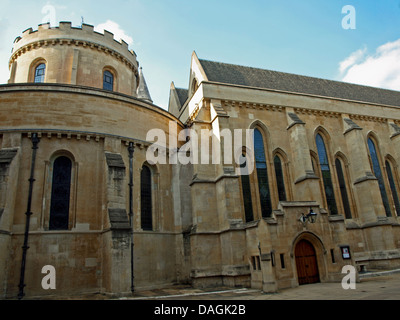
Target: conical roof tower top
[[142, 90]]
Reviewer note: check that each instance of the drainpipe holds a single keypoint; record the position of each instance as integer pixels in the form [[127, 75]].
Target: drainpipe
[[131, 149], [35, 142]]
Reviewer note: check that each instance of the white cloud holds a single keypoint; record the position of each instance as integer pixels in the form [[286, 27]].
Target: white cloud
[[351, 60], [4, 50], [381, 69], [114, 28]]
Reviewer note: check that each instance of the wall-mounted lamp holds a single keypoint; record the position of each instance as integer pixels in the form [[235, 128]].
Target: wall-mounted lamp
[[310, 217]]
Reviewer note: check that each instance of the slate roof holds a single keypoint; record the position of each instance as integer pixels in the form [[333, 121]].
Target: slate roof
[[267, 79], [182, 95], [143, 90]]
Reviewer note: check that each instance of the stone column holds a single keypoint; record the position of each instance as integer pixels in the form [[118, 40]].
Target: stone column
[[116, 240], [366, 188], [395, 138], [9, 169], [306, 182]]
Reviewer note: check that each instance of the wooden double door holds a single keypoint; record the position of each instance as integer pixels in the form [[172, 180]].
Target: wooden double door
[[306, 263]]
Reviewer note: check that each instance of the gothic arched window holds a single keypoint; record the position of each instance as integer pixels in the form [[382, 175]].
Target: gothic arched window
[[108, 81], [280, 181], [376, 167], [326, 175], [40, 72], [60, 194], [246, 191], [262, 174], [343, 189], [392, 185], [145, 199]]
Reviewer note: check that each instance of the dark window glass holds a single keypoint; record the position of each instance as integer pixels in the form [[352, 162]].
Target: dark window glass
[[40, 72], [60, 194], [326, 175], [279, 178], [145, 199], [282, 256], [262, 174], [108, 81], [343, 189], [393, 188], [244, 176], [333, 256], [378, 174]]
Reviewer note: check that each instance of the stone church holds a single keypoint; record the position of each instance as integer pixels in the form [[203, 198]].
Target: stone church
[[78, 192]]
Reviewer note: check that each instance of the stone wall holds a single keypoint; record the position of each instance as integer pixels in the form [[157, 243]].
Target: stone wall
[[76, 56], [93, 129]]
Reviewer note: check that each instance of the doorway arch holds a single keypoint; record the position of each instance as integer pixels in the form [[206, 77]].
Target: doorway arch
[[306, 263]]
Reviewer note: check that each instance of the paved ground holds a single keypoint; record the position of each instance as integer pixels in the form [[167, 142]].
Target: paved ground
[[185, 302], [372, 286]]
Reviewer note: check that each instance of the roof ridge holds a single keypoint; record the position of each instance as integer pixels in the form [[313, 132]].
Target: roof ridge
[[301, 76]]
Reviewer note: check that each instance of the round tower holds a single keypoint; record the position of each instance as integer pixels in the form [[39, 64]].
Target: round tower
[[75, 118], [74, 55]]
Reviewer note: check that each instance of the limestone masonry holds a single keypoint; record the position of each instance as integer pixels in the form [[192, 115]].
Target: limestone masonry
[[77, 191]]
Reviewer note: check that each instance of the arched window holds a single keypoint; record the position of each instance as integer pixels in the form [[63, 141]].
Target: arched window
[[108, 81], [262, 174], [40, 72], [326, 175], [60, 194], [392, 185], [314, 162], [280, 181], [194, 86], [376, 167], [246, 191], [343, 189], [145, 199]]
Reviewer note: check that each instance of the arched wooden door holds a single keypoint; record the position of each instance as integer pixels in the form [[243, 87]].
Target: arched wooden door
[[306, 263]]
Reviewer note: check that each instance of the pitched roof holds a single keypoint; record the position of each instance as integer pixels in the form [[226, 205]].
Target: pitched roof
[[182, 95], [142, 89], [267, 79]]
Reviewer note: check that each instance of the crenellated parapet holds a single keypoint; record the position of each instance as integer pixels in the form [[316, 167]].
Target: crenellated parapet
[[74, 55], [65, 34]]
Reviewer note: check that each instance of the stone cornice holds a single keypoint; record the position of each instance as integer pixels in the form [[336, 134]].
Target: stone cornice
[[368, 118], [250, 105], [306, 111], [236, 86], [73, 42], [45, 133], [77, 89]]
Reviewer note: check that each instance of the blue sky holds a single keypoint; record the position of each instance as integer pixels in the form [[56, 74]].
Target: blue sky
[[303, 37]]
